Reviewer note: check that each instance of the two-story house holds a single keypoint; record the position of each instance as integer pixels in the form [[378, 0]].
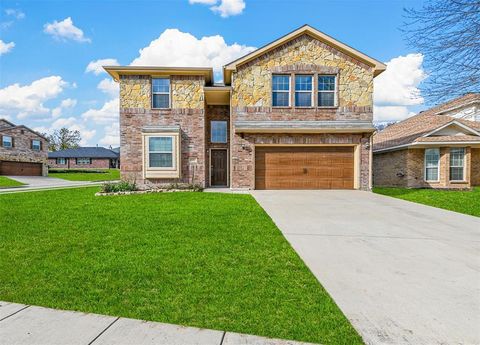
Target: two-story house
[[22, 151], [294, 114]]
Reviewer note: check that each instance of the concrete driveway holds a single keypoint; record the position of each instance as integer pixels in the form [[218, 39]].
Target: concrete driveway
[[33, 183], [403, 273]]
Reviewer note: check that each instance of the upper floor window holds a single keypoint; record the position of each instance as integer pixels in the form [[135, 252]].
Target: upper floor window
[[326, 90], [160, 93], [457, 163], [280, 90], [36, 145], [432, 160], [303, 90], [160, 152], [218, 131], [7, 141], [84, 160]]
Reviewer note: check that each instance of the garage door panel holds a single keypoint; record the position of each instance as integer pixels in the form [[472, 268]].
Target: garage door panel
[[304, 167], [20, 168]]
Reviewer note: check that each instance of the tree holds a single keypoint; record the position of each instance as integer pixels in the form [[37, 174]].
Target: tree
[[447, 33], [63, 139]]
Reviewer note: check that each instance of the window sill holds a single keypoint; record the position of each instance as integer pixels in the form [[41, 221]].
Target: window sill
[[162, 108], [281, 107], [329, 107], [458, 182]]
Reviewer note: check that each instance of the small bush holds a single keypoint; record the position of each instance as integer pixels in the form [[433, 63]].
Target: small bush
[[123, 186], [185, 186]]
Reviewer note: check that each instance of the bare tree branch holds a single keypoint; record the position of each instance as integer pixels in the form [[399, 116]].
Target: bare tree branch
[[447, 33]]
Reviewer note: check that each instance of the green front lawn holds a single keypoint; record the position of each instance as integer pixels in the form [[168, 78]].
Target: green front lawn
[[199, 259], [85, 175], [467, 202], [6, 182]]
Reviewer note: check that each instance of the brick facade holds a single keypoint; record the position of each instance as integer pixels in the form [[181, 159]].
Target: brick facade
[[22, 146], [405, 168], [250, 99], [70, 163]]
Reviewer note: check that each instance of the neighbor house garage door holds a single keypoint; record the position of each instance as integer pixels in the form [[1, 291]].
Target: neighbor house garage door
[[20, 169], [304, 167]]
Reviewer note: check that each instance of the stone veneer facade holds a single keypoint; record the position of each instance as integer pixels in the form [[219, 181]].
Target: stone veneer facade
[[187, 110], [251, 100], [405, 168], [22, 150]]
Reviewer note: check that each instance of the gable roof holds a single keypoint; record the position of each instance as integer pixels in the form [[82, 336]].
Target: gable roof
[[305, 29], [418, 128], [13, 126], [469, 98], [84, 152]]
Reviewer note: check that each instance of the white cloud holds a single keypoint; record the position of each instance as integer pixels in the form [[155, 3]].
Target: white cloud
[[106, 115], [109, 86], [96, 66], [6, 47], [112, 135], [65, 104], [229, 8], [65, 30], [29, 99], [396, 89], [73, 124], [176, 48], [225, 8], [15, 13]]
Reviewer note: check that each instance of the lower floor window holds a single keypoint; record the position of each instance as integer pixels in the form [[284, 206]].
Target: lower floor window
[[84, 161], [457, 160], [61, 161], [432, 159], [160, 152]]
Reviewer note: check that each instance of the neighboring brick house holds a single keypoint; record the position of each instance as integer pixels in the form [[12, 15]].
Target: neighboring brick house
[[84, 158], [294, 114], [23, 152], [429, 150]]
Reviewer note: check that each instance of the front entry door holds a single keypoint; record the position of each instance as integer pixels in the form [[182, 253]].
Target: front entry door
[[219, 171]]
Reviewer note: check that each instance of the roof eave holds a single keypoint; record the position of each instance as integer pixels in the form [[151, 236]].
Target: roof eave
[[116, 71]]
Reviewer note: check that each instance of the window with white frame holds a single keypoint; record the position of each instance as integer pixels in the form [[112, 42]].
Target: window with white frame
[[7, 141], [432, 161], [84, 161], [160, 93], [303, 90], [36, 145], [61, 161], [218, 131], [326, 90], [457, 164], [280, 90], [160, 152]]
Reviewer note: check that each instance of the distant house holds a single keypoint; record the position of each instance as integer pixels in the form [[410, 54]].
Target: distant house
[[431, 149], [84, 158], [22, 150]]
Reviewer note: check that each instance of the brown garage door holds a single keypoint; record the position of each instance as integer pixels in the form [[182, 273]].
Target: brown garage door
[[304, 167], [20, 169]]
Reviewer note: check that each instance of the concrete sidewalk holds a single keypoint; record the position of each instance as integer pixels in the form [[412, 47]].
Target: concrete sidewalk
[[29, 325]]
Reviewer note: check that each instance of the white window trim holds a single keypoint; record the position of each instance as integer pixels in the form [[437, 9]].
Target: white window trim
[[312, 91], [39, 145], [456, 166], [211, 132], [11, 141], [80, 158], [161, 172], [425, 165], [169, 93], [283, 91], [335, 93]]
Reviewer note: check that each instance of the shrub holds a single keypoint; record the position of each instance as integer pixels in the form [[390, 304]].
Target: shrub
[[123, 186]]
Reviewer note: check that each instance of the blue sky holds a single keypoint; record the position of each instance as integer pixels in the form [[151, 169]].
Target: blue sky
[[46, 46]]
